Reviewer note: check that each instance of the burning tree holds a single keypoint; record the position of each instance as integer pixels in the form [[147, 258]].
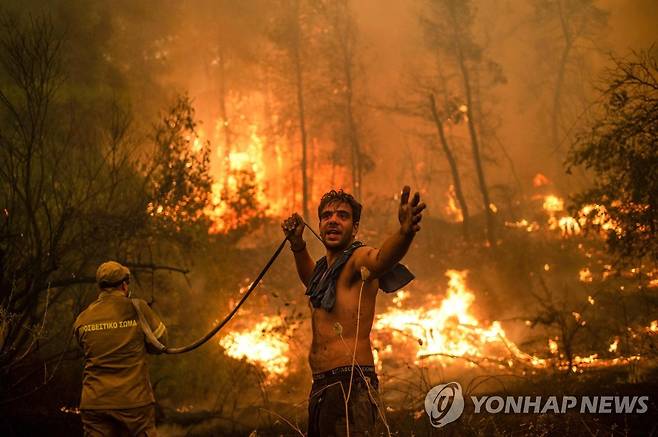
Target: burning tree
[[179, 175], [619, 146]]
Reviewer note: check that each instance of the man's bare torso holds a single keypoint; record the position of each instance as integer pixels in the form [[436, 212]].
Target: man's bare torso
[[334, 332]]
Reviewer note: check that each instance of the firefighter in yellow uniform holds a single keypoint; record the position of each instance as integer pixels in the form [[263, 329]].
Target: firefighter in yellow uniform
[[117, 397]]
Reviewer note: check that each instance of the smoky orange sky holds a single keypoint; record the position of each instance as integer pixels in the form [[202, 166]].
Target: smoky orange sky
[[391, 52]]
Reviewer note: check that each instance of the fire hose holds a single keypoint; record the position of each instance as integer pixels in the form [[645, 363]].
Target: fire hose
[[152, 339]]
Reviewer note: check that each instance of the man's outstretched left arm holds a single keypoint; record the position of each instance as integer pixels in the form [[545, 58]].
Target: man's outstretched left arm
[[380, 261]]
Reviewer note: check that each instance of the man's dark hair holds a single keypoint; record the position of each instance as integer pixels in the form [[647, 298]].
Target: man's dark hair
[[341, 196]]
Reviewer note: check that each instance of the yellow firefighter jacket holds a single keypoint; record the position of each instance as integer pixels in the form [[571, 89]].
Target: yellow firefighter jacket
[[115, 374]]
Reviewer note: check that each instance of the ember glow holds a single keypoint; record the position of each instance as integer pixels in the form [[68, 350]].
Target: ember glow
[[553, 346], [653, 327], [400, 297], [585, 275], [540, 180], [553, 204], [523, 224]]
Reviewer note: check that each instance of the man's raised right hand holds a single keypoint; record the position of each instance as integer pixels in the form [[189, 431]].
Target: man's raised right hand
[[293, 228]]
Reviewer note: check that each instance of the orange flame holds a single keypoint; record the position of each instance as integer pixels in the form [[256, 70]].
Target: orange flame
[[265, 345], [449, 330], [437, 333], [453, 212], [257, 174], [553, 346], [553, 204], [241, 178], [593, 214]]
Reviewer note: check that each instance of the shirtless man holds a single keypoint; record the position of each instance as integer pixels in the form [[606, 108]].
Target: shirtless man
[[343, 288]]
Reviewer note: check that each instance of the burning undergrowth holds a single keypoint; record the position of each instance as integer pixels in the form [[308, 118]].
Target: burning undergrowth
[[438, 329]]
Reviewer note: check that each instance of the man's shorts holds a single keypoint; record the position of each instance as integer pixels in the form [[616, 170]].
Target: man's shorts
[[326, 406], [138, 421]]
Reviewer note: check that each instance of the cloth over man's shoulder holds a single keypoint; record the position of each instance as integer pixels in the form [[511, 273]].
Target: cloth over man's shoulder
[[322, 287]]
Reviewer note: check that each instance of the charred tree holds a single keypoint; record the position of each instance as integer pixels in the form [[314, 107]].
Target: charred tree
[[226, 54], [299, 86], [343, 28], [292, 37], [459, 15], [557, 94], [357, 167], [343, 66], [454, 171], [577, 22]]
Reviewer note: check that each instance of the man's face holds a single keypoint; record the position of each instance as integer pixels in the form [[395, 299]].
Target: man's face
[[337, 227]]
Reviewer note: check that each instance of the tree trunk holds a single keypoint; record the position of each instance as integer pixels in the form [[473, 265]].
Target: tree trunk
[[453, 169], [343, 34], [557, 96], [491, 232], [223, 112], [354, 138], [299, 85]]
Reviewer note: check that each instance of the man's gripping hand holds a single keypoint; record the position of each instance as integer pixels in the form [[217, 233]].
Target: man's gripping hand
[[410, 213], [293, 228]]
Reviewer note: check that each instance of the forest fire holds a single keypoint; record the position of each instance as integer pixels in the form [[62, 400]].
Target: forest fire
[[441, 332], [176, 140]]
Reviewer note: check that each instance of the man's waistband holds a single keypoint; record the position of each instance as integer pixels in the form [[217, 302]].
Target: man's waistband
[[345, 370]]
